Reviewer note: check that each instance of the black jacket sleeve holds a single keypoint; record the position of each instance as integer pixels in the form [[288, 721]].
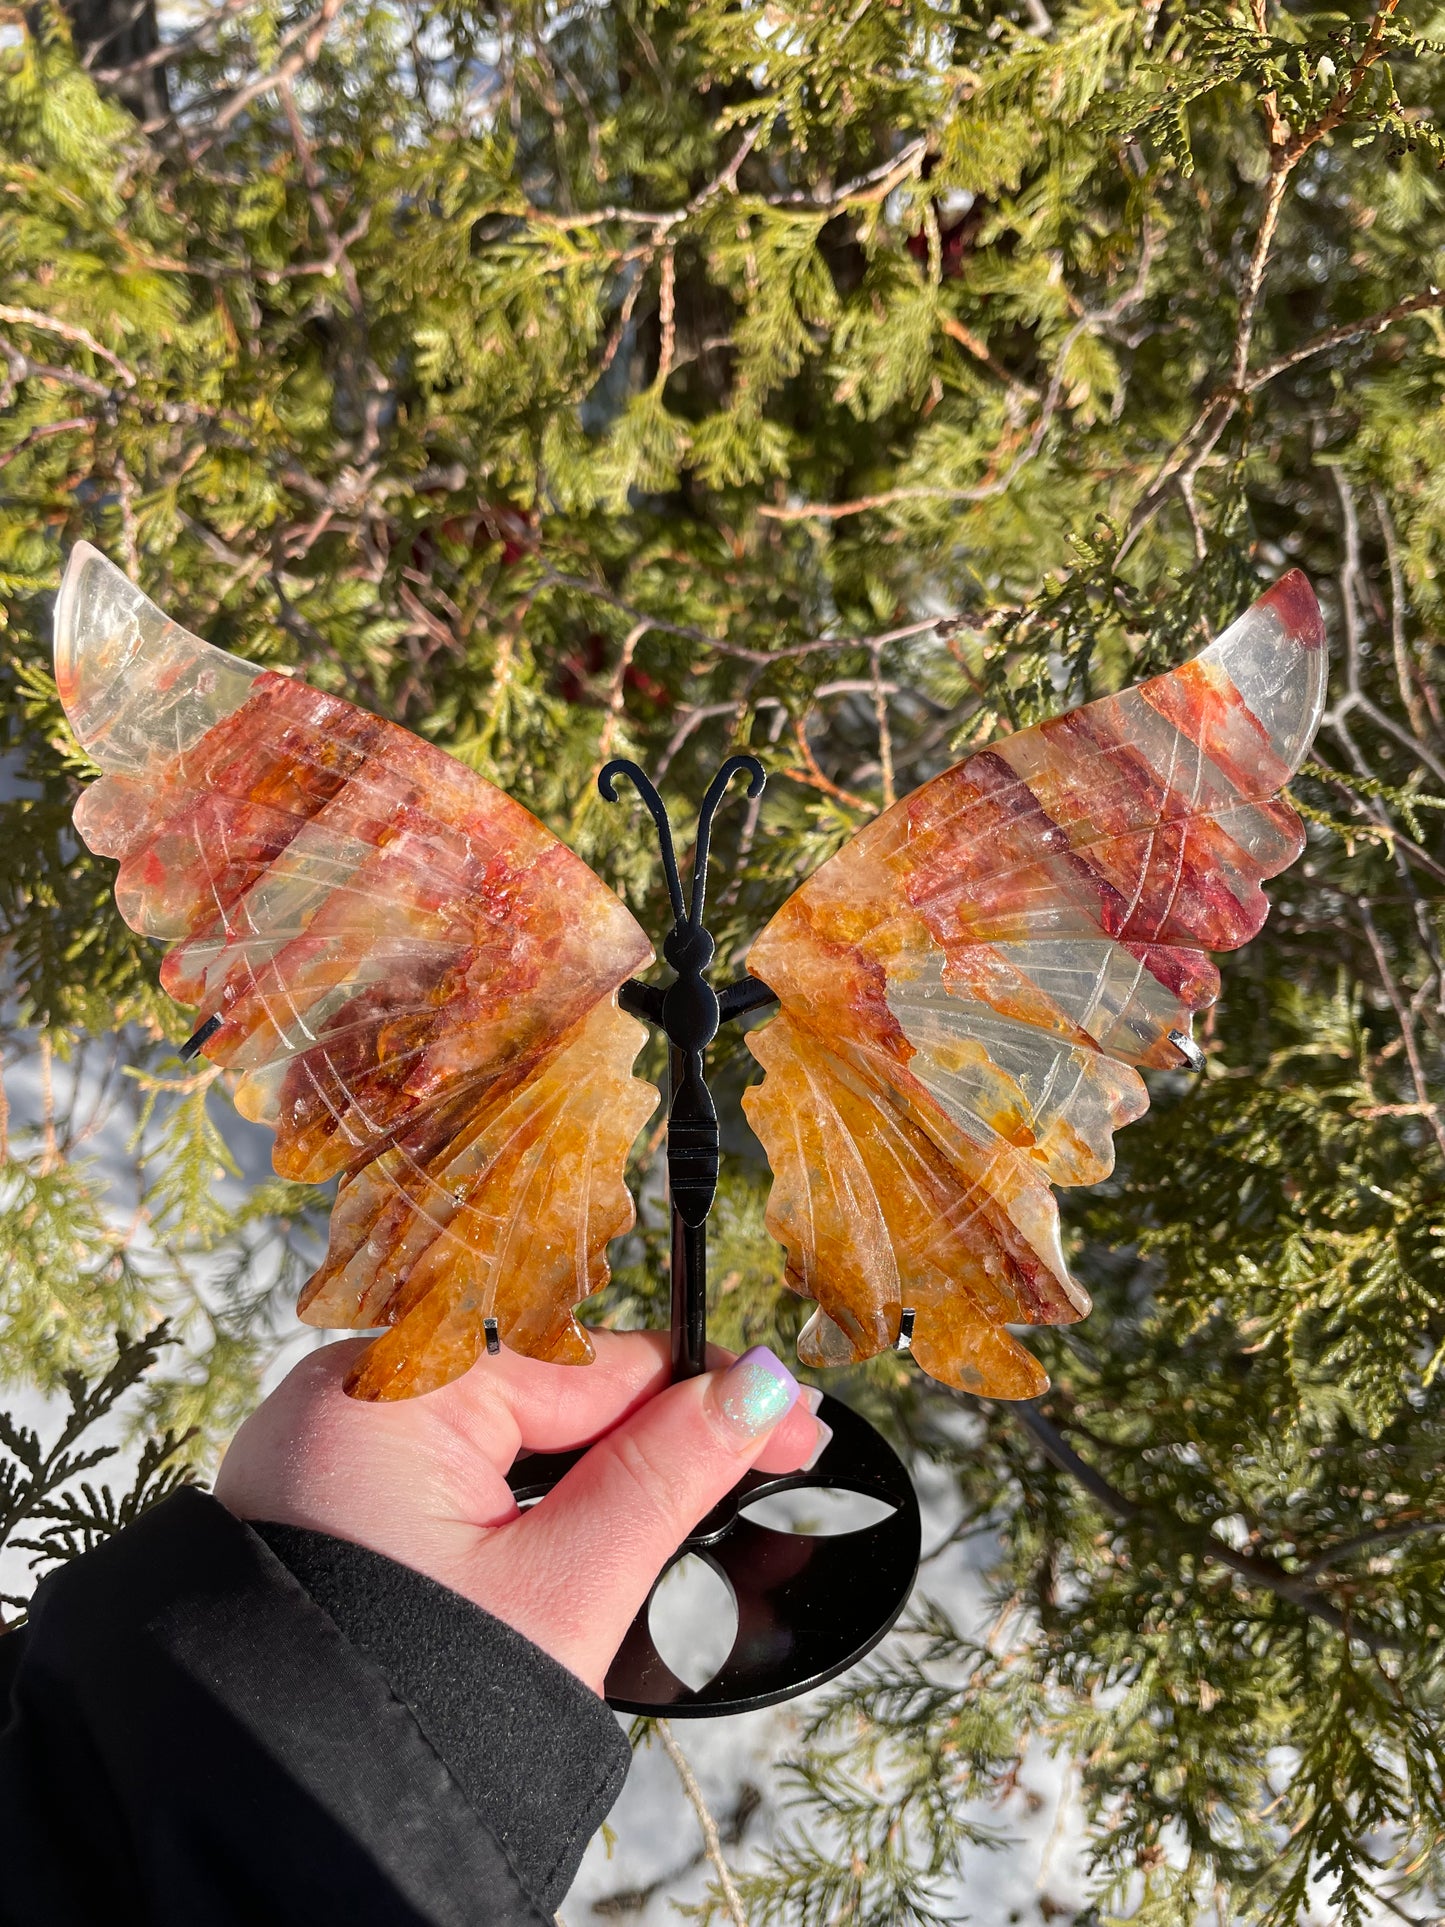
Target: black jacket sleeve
[[208, 1722]]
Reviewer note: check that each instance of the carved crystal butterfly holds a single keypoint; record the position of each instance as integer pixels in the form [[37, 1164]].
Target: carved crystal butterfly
[[416, 985]]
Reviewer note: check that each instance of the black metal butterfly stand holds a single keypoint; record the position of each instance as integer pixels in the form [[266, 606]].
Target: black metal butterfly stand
[[808, 1606]]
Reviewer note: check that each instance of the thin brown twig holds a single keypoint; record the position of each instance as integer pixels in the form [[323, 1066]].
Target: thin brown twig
[[1202, 1543], [687, 632], [867, 189], [1351, 576], [979, 349], [885, 734], [1369, 806], [1276, 126], [129, 531], [728, 178], [268, 277], [1390, 1535], [996, 484], [813, 778], [1406, 1023], [1405, 681], [67, 331], [170, 49], [316, 196], [624, 316], [115, 24], [41, 433], [712, 1840], [654, 1142], [1413, 1920], [1190, 453], [666, 316], [1374, 324], [430, 624], [754, 811], [1254, 274], [50, 1151], [1344, 98], [616, 695], [311, 32], [688, 721], [22, 368]]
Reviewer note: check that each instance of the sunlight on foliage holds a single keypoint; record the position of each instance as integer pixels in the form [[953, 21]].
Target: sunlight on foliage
[[853, 384]]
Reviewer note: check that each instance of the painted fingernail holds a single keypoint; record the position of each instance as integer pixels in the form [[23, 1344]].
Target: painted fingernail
[[755, 1392], [812, 1397], [825, 1432]]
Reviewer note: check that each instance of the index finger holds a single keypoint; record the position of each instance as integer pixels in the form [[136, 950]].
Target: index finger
[[558, 1407]]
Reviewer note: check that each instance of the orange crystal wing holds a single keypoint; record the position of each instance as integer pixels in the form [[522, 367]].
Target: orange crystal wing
[[967, 988], [413, 980]]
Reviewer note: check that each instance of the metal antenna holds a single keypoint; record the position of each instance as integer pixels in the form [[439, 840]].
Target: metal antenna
[[643, 784], [757, 777]]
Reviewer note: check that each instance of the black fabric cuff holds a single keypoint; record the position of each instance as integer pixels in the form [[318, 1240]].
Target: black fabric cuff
[[538, 1755], [232, 1755]]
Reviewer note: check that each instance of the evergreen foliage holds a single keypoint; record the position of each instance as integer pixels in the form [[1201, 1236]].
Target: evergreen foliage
[[850, 383], [42, 1491]]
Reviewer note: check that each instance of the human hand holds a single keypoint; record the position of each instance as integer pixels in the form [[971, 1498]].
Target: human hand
[[423, 1480]]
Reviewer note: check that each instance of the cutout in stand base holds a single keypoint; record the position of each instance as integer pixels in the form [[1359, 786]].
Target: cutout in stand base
[[693, 1620], [817, 1511], [808, 1605]]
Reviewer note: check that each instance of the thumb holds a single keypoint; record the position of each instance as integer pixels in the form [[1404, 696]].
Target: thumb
[[573, 1572]]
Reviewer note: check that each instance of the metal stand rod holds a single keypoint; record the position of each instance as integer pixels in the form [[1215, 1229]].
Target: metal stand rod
[[689, 1298], [689, 1272]]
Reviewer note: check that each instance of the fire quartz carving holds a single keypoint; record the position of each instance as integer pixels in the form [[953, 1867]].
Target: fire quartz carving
[[967, 986], [414, 980], [415, 984]]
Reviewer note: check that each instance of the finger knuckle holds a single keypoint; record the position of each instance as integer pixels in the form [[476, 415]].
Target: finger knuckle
[[651, 1482]]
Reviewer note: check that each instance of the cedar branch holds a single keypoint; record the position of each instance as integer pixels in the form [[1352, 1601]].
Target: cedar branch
[[1254, 1567]]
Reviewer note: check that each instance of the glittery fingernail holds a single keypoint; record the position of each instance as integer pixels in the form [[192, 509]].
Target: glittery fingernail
[[755, 1392]]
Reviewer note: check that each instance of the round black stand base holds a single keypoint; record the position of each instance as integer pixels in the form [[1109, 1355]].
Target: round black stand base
[[809, 1606]]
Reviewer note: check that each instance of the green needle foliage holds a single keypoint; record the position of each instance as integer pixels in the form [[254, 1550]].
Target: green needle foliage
[[42, 1491], [855, 384]]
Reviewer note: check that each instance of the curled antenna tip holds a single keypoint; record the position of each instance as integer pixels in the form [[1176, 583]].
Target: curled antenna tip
[[607, 775], [757, 775]]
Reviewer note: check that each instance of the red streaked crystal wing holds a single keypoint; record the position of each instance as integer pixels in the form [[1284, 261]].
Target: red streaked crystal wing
[[998, 950], [507, 1217], [382, 946]]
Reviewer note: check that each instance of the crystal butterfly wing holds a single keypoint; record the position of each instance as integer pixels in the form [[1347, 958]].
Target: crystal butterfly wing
[[414, 982], [968, 989]]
